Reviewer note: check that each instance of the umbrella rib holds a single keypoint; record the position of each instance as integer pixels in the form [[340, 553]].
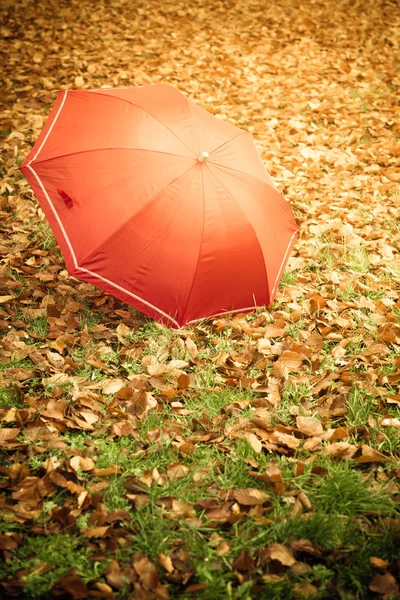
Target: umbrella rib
[[79, 152], [227, 141], [249, 222], [244, 173], [148, 113], [92, 252], [199, 255]]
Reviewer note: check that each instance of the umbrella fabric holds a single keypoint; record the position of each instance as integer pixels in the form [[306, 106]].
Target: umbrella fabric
[[156, 201]]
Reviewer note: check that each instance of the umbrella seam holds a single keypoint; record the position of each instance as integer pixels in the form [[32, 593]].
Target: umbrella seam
[[50, 128], [230, 140], [238, 310], [198, 257], [251, 225], [247, 174], [37, 162], [59, 222], [78, 268], [119, 287], [147, 113], [295, 233]]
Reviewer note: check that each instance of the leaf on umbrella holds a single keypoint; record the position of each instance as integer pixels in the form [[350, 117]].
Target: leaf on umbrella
[[250, 496]]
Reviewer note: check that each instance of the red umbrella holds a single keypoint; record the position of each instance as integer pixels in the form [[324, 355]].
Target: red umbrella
[[156, 201]]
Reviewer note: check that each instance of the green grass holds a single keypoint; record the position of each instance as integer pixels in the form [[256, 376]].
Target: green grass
[[61, 552]]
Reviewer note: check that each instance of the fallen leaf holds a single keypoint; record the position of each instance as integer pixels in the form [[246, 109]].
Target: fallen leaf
[[310, 426], [385, 585], [81, 463], [254, 442], [243, 562], [250, 496], [281, 553], [379, 563]]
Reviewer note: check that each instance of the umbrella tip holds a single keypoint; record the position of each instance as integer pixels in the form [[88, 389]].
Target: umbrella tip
[[203, 157]]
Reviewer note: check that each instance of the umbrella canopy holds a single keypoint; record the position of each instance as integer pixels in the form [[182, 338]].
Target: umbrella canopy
[[156, 201]]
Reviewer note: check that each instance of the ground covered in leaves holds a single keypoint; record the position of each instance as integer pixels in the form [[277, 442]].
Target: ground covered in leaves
[[248, 457]]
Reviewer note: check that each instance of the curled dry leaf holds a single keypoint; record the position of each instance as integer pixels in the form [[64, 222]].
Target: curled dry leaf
[[81, 463]]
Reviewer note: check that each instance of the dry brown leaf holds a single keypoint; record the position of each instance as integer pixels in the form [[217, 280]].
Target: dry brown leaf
[[95, 532], [112, 386], [305, 590], [310, 426], [385, 585], [254, 442], [123, 428], [81, 463], [271, 331], [166, 562], [250, 496], [281, 553], [379, 563], [177, 471], [369, 455]]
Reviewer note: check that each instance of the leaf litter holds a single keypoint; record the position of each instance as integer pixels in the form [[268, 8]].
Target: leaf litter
[[203, 462]]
